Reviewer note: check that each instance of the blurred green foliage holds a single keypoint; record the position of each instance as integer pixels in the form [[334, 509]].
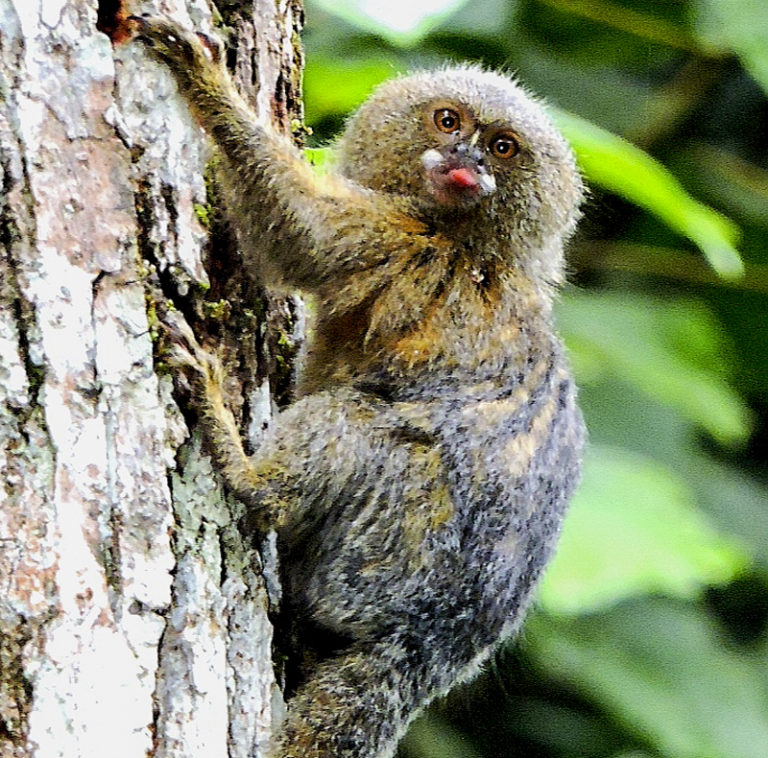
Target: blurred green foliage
[[650, 637]]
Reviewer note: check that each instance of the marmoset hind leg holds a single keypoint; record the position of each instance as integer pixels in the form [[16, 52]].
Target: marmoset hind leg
[[247, 480], [338, 713], [316, 445], [360, 703]]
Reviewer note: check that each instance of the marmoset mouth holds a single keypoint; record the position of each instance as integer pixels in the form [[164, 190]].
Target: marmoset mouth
[[454, 181]]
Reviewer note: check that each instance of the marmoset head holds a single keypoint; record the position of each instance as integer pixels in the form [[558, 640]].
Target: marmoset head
[[463, 141]]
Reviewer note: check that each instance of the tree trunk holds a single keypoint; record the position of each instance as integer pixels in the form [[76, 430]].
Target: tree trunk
[[133, 615]]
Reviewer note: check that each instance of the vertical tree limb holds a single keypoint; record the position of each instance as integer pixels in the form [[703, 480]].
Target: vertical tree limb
[[133, 617]]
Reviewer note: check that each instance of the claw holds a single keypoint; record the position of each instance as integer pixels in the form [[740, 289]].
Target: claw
[[185, 352], [176, 326], [212, 47], [165, 37], [178, 357], [138, 24]]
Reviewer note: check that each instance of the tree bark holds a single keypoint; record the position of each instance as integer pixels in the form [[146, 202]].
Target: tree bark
[[133, 614]]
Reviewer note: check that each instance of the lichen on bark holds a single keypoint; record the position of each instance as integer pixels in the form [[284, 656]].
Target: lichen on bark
[[132, 611]]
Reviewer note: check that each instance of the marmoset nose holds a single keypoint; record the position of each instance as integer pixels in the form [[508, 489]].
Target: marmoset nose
[[467, 153]]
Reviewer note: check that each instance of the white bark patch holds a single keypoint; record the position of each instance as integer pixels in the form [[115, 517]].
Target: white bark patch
[[137, 616], [87, 511], [152, 116]]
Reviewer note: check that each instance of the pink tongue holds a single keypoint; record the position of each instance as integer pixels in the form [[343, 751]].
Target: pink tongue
[[461, 177]]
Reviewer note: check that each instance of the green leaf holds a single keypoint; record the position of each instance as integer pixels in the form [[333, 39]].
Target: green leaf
[[321, 158], [660, 668], [556, 727], [334, 86], [736, 501], [618, 166], [735, 183], [740, 26], [401, 23], [430, 737], [633, 529], [670, 350]]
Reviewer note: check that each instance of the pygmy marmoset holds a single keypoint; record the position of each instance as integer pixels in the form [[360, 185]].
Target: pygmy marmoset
[[418, 485]]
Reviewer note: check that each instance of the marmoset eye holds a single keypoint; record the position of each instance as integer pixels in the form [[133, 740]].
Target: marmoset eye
[[504, 145], [447, 121]]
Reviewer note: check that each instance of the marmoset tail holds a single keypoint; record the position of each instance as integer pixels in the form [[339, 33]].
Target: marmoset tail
[[418, 485]]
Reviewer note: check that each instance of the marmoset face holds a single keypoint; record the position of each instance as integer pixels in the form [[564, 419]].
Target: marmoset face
[[461, 168], [464, 140]]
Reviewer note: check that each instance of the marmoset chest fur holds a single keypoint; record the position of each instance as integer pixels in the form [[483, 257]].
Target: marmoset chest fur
[[418, 486]]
